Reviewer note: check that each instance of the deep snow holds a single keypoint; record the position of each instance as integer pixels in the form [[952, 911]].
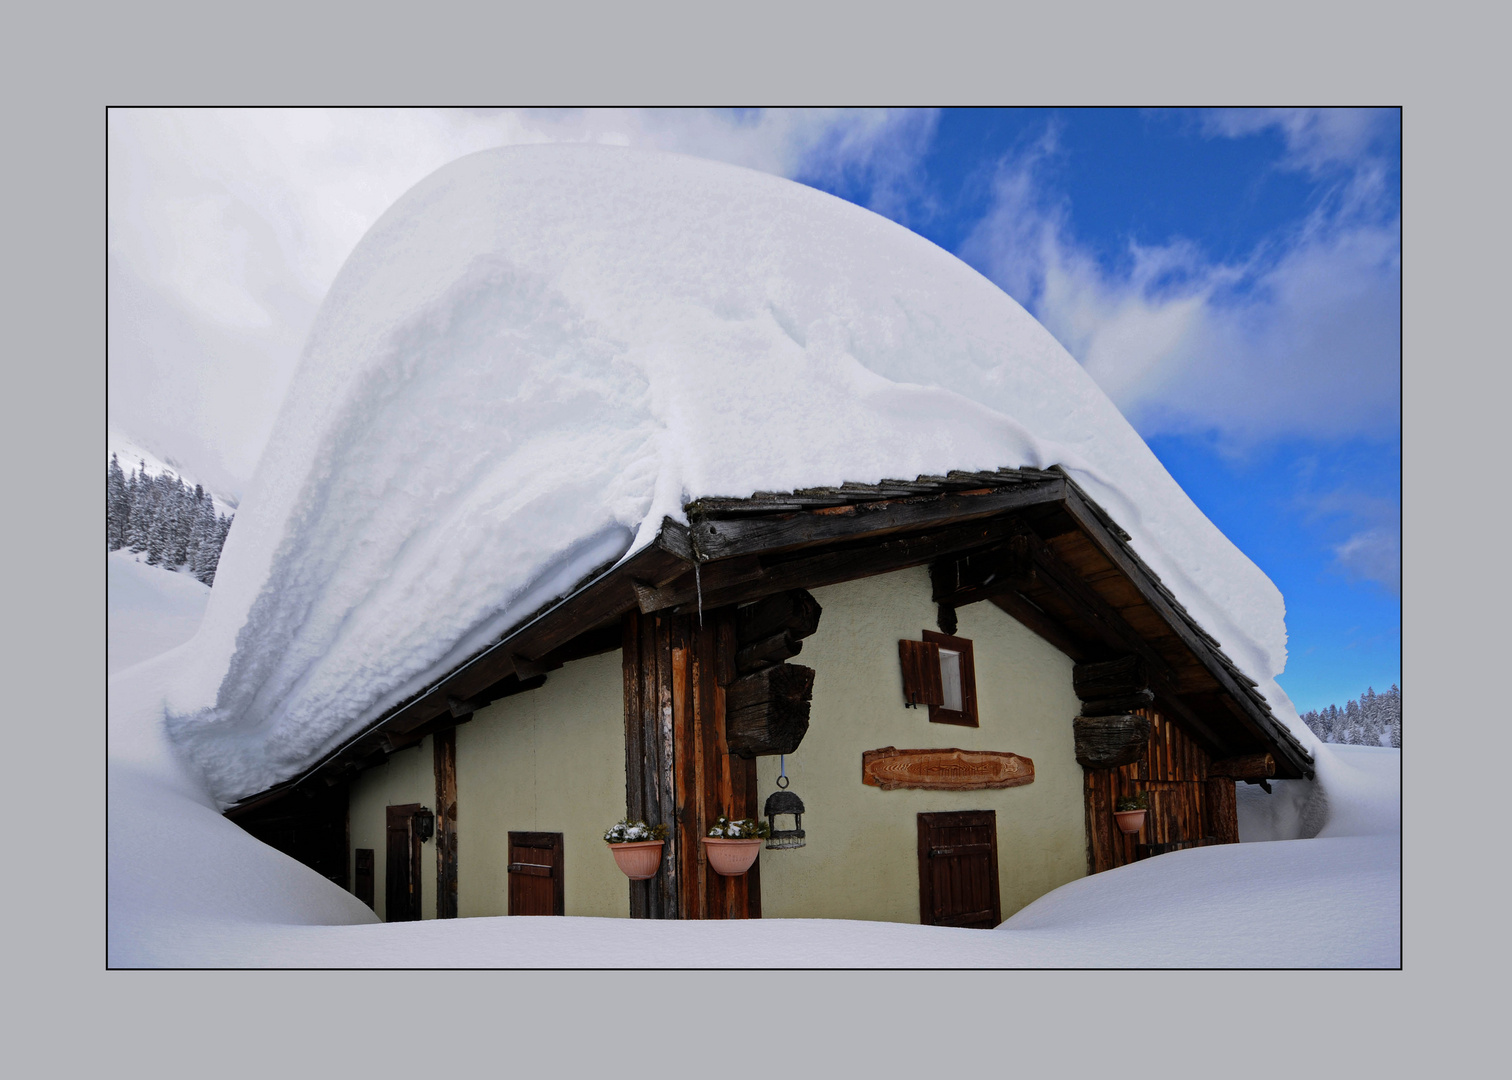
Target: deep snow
[[540, 351], [149, 610]]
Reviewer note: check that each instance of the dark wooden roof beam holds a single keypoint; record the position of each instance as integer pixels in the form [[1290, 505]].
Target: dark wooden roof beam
[[717, 538]]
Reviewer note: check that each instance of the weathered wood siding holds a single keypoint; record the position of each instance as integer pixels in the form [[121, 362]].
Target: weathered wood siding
[[678, 767], [1187, 808]]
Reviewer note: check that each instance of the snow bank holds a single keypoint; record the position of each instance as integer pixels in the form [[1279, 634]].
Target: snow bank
[[149, 610], [184, 884], [540, 351]]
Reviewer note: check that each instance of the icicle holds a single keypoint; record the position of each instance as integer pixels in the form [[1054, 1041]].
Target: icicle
[[698, 584]]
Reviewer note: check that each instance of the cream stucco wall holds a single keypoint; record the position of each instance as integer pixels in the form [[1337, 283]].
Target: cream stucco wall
[[861, 859], [549, 760], [406, 777], [553, 760]]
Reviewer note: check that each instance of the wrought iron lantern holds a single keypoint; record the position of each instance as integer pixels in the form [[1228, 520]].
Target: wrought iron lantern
[[784, 802], [425, 823]]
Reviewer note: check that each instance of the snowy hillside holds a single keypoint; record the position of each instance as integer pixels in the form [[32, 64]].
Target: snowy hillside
[[539, 352], [149, 610], [133, 453]]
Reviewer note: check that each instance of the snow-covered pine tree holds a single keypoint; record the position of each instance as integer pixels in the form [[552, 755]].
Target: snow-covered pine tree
[[182, 507], [160, 529], [139, 530], [197, 531], [117, 506], [210, 557]]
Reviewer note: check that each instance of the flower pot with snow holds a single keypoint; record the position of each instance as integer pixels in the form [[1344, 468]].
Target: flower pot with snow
[[1130, 812], [732, 846], [637, 848]]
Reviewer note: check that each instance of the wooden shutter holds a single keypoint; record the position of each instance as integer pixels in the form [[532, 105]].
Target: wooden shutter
[[364, 889], [921, 673], [958, 869], [966, 715], [401, 892], [535, 874]]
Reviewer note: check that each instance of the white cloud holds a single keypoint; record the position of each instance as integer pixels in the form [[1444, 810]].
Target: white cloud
[[1300, 338], [227, 226], [1316, 139], [1374, 554]]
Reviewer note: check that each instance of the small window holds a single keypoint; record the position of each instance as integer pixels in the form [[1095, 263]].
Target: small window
[[939, 672]]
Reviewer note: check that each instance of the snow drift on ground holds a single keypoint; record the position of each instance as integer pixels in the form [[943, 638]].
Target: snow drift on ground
[[187, 888], [540, 351], [149, 610]]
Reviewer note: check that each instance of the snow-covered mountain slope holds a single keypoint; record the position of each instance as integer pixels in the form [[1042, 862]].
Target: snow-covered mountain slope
[[132, 453], [538, 352], [149, 610]]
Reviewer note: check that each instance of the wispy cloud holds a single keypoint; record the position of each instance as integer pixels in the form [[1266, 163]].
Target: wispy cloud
[[1367, 529], [227, 226], [1299, 337]]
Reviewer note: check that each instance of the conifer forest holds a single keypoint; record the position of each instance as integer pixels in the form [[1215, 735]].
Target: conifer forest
[[1374, 720], [176, 525]]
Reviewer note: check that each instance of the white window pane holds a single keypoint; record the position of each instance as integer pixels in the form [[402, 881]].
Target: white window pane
[[950, 676]]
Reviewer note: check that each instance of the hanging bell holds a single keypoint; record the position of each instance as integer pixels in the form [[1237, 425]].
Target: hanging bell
[[784, 802]]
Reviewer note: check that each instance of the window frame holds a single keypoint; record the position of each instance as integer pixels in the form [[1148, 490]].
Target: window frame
[[967, 715]]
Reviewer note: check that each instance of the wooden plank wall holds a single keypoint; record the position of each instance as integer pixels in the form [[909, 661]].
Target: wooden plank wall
[[678, 768], [1186, 807]]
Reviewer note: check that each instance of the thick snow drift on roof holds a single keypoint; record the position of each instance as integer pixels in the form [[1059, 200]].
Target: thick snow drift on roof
[[540, 351]]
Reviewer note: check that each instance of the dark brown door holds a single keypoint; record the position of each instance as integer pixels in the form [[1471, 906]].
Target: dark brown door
[[402, 865], [958, 869], [535, 874], [364, 875]]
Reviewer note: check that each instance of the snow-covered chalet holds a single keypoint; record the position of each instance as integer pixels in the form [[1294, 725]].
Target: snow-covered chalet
[[626, 485]]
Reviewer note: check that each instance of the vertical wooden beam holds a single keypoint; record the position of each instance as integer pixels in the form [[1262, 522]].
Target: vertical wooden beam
[[635, 796], [444, 744], [666, 789], [677, 760], [685, 762]]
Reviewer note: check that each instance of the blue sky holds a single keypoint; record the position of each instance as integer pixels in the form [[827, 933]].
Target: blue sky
[[1230, 207], [1231, 278]]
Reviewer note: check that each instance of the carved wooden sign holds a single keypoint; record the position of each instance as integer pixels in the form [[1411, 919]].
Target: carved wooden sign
[[946, 769]]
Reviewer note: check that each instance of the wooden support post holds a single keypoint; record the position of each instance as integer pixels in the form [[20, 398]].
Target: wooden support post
[[678, 768], [444, 753]]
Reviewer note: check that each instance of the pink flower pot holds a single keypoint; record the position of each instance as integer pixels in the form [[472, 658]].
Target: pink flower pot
[[639, 859], [1130, 821], [731, 857]]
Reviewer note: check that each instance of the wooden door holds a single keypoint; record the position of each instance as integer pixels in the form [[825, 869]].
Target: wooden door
[[535, 874], [958, 869], [402, 865], [364, 875]]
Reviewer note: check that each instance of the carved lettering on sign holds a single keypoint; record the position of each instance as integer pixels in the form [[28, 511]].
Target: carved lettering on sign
[[947, 769]]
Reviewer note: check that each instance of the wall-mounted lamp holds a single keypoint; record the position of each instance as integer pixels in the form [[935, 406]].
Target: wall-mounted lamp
[[425, 824]]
